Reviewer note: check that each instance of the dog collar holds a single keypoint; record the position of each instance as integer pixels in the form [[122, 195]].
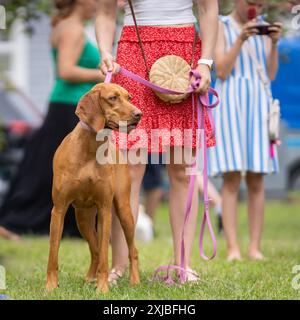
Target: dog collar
[[86, 126]]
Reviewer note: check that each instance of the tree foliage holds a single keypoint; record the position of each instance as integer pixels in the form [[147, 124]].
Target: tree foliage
[[274, 8], [26, 11]]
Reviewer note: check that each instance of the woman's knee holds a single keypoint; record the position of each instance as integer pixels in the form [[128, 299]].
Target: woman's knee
[[255, 182], [178, 174], [137, 172], [232, 181]]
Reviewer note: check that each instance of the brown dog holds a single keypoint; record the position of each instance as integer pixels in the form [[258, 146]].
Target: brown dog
[[91, 187]]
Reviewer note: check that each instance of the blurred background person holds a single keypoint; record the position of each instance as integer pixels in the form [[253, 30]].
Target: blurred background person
[[152, 186], [27, 205], [243, 146]]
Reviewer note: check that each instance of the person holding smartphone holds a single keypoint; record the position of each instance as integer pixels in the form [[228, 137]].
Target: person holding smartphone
[[241, 120]]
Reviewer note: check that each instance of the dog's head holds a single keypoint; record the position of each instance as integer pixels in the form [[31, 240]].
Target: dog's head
[[105, 106]]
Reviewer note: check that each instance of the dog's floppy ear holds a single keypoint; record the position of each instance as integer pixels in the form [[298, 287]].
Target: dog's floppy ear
[[89, 110]]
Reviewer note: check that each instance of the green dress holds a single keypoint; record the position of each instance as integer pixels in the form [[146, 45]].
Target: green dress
[[68, 92]]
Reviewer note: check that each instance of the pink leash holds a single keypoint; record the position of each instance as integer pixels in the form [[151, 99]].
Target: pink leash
[[202, 102]]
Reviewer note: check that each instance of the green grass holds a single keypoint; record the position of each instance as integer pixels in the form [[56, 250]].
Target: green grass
[[25, 264]]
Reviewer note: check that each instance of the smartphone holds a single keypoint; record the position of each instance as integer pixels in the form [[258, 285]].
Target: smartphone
[[263, 29]]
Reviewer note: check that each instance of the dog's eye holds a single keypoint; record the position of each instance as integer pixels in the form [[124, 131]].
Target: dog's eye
[[129, 98], [113, 98]]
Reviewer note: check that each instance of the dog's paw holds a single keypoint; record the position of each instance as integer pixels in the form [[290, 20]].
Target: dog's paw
[[102, 289], [134, 280], [51, 285], [90, 279]]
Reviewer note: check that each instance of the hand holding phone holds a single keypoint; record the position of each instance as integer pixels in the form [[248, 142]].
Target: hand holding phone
[[248, 30], [263, 29], [273, 30]]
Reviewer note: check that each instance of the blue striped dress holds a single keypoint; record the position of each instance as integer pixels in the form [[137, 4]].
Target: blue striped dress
[[241, 119]]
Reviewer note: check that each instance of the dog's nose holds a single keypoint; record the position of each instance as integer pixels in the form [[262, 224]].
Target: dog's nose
[[137, 114]]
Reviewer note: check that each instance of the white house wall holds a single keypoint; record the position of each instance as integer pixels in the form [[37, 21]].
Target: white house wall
[[39, 59]]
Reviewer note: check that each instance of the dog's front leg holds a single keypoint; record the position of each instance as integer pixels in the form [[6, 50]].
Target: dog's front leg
[[104, 226], [123, 211], [56, 229]]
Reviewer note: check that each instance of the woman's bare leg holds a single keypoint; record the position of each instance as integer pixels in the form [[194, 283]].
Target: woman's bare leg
[[9, 235], [179, 182], [152, 199], [256, 203], [231, 184]]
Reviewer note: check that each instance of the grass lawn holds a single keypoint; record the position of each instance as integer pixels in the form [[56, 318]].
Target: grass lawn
[[25, 264]]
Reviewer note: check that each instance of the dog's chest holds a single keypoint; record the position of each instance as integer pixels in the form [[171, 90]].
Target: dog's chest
[[92, 184]]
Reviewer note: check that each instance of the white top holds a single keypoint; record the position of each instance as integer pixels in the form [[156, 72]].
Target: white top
[[160, 12]]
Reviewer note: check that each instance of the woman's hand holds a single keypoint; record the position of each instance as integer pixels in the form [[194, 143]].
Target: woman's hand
[[205, 80], [248, 30], [108, 64], [275, 32]]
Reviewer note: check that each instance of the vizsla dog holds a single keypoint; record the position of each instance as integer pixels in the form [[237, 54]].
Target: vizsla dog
[[91, 187]]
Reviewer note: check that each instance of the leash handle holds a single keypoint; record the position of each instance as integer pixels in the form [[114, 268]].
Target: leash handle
[[108, 77], [191, 89]]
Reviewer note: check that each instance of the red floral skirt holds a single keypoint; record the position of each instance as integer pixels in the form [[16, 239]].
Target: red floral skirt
[[159, 115]]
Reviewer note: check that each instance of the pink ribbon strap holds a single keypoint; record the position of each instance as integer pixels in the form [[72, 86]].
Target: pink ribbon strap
[[202, 102], [273, 143], [272, 151]]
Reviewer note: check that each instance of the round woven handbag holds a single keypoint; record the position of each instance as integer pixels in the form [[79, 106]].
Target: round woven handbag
[[171, 72]]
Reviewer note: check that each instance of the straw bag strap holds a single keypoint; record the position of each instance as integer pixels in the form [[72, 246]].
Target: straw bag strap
[[138, 35], [260, 71], [141, 44]]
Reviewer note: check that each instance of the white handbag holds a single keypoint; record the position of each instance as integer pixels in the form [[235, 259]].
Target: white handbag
[[274, 120]]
